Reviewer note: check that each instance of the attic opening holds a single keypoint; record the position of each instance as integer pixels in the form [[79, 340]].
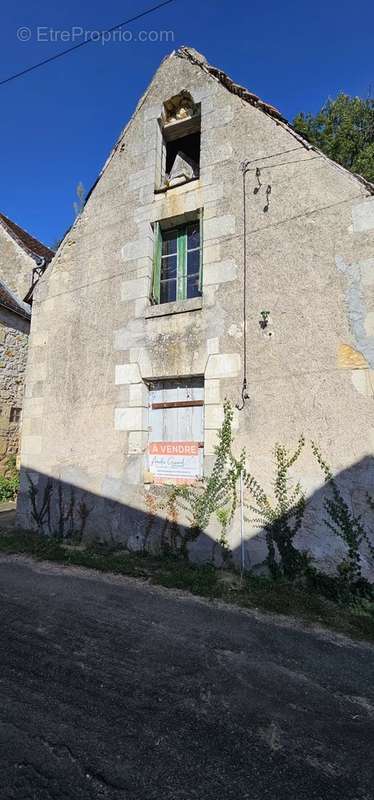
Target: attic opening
[[180, 127], [186, 145]]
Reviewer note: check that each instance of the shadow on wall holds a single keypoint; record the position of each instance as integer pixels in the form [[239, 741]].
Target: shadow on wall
[[58, 508], [61, 509], [326, 547]]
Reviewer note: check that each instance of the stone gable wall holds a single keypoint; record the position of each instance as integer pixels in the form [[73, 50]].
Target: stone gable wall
[[96, 341], [15, 265]]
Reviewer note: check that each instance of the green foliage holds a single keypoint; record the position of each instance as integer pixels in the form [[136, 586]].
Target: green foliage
[[343, 522], [339, 588], [214, 495], [224, 516], [281, 596], [11, 470], [344, 130], [281, 517], [9, 482], [199, 579], [8, 488]]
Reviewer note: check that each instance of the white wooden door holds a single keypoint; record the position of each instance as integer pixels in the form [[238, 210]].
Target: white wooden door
[[176, 430]]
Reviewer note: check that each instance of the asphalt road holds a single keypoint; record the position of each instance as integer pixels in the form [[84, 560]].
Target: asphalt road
[[113, 689], [7, 515]]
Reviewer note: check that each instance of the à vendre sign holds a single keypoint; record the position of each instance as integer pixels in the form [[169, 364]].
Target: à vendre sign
[[174, 462]]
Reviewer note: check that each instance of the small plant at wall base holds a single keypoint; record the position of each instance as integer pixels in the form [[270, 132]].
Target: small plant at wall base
[[170, 530], [9, 482], [282, 517]]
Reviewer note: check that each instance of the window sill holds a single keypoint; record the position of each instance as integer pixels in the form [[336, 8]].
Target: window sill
[[179, 307], [168, 188]]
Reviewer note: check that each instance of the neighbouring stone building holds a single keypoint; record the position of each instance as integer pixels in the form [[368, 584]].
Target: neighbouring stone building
[[147, 319], [22, 260]]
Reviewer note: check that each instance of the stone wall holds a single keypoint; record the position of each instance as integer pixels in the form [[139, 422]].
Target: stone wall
[[15, 265], [13, 357], [96, 341]]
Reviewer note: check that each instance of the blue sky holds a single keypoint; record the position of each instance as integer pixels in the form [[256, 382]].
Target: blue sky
[[58, 124]]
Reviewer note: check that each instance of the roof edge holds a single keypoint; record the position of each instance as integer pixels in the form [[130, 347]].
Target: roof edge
[[235, 88], [14, 305], [196, 58], [15, 232], [199, 60]]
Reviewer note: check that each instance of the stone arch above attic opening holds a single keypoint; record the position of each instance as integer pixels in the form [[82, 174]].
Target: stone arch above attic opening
[[180, 136]]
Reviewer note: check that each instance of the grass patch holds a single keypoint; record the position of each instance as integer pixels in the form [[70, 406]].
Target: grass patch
[[9, 481], [279, 596]]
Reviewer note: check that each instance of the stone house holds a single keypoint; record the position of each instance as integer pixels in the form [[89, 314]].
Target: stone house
[[22, 260], [218, 255]]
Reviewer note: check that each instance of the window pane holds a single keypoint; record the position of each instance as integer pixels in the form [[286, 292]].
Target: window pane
[[193, 235], [168, 267], [193, 262], [168, 291], [169, 242], [193, 286]]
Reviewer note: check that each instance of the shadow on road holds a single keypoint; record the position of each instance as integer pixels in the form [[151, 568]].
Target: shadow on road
[[111, 690]]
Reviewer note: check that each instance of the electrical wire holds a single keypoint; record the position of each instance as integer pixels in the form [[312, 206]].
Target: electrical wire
[[264, 228], [245, 169], [273, 155], [92, 38], [285, 163], [114, 275]]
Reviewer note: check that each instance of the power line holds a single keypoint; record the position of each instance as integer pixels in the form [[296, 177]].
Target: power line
[[272, 155], [285, 163], [228, 238], [91, 39]]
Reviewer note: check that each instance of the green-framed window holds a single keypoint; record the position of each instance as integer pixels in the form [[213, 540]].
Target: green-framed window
[[177, 268]]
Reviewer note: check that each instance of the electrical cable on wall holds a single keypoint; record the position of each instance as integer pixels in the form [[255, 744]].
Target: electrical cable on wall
[[245, 167]]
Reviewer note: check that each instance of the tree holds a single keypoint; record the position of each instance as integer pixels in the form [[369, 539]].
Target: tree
[[344, 130], [79, 203]]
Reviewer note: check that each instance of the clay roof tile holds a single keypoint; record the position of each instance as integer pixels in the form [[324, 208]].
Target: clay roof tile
[[28, 243]]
